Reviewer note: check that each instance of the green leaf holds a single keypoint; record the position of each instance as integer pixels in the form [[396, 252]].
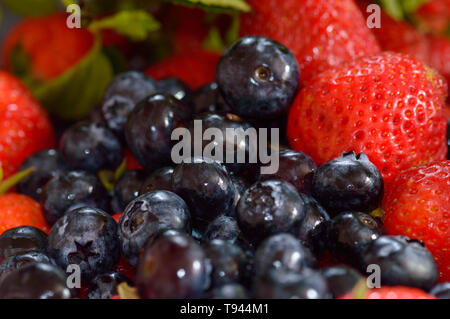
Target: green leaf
[[135, 24], [214, 42], [12, 181], [32, 8], [234, 5], [401, 9], [75, 93]]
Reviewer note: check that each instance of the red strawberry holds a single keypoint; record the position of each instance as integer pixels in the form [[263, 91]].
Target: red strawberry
[[189, 28], [439, 57], [417, 205], [49, 44], [435, 15], [397, 292], [320, 33], [389, 106], [194, 68], [117, 217], [24, 125], [20, 210], [132, 162]]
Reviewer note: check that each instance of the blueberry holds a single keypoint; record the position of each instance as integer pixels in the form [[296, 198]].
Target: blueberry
[[208, 99], [173, 266], [70, 190], [223, 227], [127, 188], [348, 183], [341, 279], [35, 281], [22, 259], [258, 77], [230, 291], [174, 87], [161, 179], [121, 97], [20, 240], [104, 286], [296, 168], [349, 234], [91, 147], [269, 207], [282, 251], [207, 189], [312, 231], [149, 129], [281, 284], [225, 141], [47, 164], [148, 215], [402, 262], [86, 237], [228, 262], [441, 291], [448, 140]]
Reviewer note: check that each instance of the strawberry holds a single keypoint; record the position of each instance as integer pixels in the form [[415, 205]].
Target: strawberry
[[417, 205], [194, 68], [49, 45], [397, 292], [24, 126], [435, 15], [389, 106], [132, 162], [117, 217], [20, 210], [320, 33], [439, 55]]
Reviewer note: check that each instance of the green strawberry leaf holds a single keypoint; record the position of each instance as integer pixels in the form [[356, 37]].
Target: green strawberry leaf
[[401, 9], [228, 5], [214, 42], [75, 93], [135, 24], [32, 8]]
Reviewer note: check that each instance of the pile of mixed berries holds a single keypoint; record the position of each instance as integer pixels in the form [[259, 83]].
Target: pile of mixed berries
[[362, 187]]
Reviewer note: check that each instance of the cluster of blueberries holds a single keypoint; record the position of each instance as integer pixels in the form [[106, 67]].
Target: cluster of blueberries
[[202, 229]]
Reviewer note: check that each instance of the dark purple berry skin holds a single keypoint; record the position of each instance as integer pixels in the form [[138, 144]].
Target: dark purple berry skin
[[47, 164], [146, 217], [269, 207], [22, 239], [175, 87], [296, 168], [403, 262], [70, 190], [341, 279], [149, 128], [258, 77], [229, 291], [88, 238], [20, 260], [161, 179], [448, 140], [91, 147], [349, 235], [208, 99], [206, 188], [441, 291], [280, 284], [348, 183], [173, 266], [35, 281], [224, 228], [228, 262], [126, 189], [121, 97], [223, 122], [104, 286], [282, 252], [312, 231]]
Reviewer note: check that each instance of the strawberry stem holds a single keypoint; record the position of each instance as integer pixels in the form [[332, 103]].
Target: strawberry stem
[[12, 181]]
